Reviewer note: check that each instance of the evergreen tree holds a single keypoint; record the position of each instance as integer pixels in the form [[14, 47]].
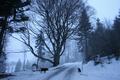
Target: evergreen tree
[[13, 9], [116, 31], [84, 31], [40, 46], [28, 65], [96, 40], [10, 11], [101, 41], [18, 66]]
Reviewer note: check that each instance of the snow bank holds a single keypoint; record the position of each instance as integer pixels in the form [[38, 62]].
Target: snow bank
[[69, 71]]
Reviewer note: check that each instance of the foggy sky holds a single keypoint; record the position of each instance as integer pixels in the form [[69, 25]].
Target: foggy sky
[[105, 8]]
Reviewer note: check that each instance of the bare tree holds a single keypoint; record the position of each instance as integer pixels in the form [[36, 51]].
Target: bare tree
[[25, 35], [59, 20]]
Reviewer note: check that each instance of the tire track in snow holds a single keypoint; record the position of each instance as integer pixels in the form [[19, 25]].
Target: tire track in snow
[[70, 73], [55, 73]]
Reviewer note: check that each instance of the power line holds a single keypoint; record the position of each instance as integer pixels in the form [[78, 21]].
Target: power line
[[19, 51]]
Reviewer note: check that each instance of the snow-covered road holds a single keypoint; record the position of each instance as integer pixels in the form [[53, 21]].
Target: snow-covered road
[[70, 72]]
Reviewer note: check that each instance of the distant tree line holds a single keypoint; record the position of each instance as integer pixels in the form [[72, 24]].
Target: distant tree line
[[104, 40]]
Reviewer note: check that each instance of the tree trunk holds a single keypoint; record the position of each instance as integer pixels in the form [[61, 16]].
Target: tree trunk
[[2, 35], [86, 50], [2, 54], [85, 44], [38, 61], [56, 60]]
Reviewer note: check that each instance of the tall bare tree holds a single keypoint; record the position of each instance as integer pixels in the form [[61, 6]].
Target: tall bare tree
[[59, 20]]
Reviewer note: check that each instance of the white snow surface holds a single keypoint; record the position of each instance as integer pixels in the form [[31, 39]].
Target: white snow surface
[[69, 71]]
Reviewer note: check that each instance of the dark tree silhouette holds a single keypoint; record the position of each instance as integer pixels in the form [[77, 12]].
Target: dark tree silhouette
[[116, 31], [10, 10], [84, 31]]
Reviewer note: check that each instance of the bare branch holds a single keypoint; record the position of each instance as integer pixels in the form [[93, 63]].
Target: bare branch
[[59, 21]]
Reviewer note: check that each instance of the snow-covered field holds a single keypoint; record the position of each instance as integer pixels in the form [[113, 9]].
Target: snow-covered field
[[69, 71]]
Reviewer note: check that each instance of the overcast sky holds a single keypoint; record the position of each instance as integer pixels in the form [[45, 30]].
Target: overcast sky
[[104, 9]]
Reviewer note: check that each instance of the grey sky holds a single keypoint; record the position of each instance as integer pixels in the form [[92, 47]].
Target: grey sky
[[16, 46], [105, 8]]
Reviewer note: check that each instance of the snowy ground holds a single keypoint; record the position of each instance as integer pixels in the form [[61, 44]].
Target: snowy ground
[[69, 71]]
